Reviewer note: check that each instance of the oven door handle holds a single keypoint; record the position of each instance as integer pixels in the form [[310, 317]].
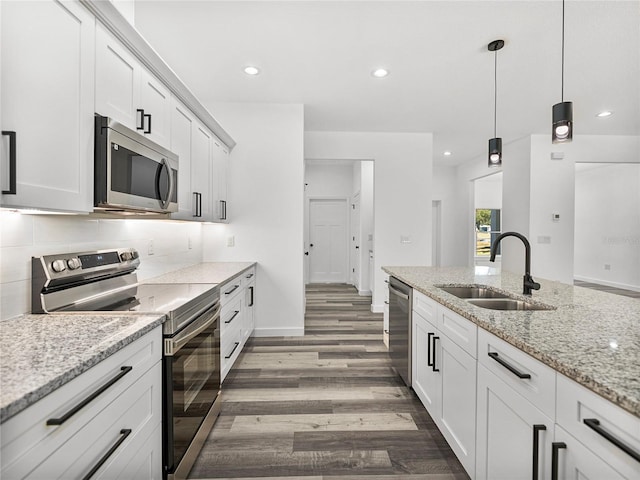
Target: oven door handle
[[173, 345]]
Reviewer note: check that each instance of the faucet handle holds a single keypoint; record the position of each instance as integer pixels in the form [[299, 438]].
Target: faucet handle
[[530, 283]]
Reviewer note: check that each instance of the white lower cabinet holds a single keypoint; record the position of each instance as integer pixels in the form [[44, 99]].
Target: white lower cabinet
[[115, 434], [237, 317], [513, 436], [444, 377]]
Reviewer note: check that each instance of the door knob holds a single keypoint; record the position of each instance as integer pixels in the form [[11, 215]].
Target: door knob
[[306, 253], [311, 244]]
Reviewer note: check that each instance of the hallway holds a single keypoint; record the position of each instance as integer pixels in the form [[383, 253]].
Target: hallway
[[324, 406]]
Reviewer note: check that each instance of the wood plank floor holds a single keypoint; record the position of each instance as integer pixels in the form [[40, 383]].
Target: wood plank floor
[[324, 406]]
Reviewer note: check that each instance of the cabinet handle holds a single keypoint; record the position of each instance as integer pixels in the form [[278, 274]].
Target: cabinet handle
[[89, 399], [434, 354], [398, 293], [231, 290], [195, 204], [594, 424], [234, 349], [508, 366], [536, 448], [429, 362], [235, 314], [124, 433], [141, 125], [148, 117], [251, 290], [223, 209], [12, 162], [555, 447], [249, 276]]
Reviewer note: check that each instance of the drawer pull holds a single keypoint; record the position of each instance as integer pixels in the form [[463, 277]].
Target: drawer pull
[[89, 399], [235, 314], [251, 292], [594, 424], [231, 290], [429, 361], [509, 367], [249, 276], [555, 447], [536, 448], [234, 349], [124, 433]]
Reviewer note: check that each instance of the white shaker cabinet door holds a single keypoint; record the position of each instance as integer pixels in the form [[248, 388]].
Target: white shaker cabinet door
[[47, 93], [155, 100], [507, 432], [201, 166], [426, 381], [182, 125], [117, 81]]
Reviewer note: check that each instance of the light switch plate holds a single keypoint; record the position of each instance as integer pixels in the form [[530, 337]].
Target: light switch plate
[[231, 241]]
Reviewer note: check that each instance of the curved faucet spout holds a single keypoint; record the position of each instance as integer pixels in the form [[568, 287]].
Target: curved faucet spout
[[528, 284]]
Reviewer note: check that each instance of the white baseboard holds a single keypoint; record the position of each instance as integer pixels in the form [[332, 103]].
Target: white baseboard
[[364, 293], [624, 286], [279, 332], [377, 308]]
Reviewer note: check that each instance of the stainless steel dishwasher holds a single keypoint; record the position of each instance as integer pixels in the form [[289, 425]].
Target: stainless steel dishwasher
[[400, 304]]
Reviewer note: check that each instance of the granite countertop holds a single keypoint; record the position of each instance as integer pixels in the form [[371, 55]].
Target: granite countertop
[[40, 353], [592, 337], [207, 272]]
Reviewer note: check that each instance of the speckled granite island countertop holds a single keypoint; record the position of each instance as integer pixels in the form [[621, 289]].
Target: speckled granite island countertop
[[592, 337], [40, 353], [207, 272]]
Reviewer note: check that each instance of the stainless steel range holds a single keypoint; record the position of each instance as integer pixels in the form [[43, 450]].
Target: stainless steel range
[[106, 280]]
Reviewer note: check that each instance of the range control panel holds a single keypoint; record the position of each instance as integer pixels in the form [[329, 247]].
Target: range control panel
[[73, 264]]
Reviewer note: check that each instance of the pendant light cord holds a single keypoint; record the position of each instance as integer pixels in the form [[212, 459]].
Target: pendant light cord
[[495, 93], [562, 81]]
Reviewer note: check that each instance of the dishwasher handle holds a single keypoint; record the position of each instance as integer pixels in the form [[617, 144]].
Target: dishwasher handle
[[398, 293]]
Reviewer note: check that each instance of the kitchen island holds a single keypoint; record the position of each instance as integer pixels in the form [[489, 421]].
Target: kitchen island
[[551, 388], [591, 337]]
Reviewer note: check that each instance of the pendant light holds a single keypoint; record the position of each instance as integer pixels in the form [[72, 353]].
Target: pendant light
[[562, 114], [495, 144]]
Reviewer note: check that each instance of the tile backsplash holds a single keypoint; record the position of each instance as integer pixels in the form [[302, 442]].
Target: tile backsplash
[[163, 245]]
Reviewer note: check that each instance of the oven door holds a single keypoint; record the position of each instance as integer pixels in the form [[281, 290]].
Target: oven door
[[191, 367]]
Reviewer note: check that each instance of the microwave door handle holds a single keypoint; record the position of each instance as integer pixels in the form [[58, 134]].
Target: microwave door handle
[[165, 203]]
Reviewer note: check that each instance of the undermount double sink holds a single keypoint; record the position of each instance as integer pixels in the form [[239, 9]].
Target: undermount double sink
[[491, 299]]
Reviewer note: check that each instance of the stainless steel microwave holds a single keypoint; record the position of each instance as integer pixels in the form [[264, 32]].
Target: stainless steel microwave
[[132, 173]]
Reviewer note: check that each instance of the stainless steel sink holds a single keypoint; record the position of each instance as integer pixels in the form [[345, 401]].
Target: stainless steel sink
[[507, 304], [473, 292]]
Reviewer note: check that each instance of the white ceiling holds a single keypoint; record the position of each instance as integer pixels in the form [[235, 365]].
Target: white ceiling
[[321, 54]]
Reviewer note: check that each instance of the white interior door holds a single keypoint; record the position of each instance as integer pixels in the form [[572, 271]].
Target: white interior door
[[328, 259], [355, 242]]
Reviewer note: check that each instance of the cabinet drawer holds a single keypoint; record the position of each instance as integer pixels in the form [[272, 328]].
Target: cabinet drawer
[[230, 316], [507, 362], [125, 422], [460, 330], [230, 350], [230, 290], [425, 306], [577, 404], [27, 440]]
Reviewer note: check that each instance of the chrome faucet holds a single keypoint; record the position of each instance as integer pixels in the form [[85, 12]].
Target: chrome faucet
[[528, 283]]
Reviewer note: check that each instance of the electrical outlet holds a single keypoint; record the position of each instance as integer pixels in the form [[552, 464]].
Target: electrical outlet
[[150, 248], [544, 239], [190, 243], [231, 241], [607, 266]]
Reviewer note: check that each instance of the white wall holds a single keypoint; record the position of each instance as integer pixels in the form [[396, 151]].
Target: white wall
[[330, 180], [607, 224], [488, 192], [402, 192], [266, 204], [23, 236]]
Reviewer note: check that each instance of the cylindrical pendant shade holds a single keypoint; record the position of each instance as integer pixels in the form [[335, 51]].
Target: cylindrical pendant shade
[[495, 152], [562, 130]]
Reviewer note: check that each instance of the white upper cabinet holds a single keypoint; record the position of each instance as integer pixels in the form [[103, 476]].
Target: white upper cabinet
[[182, 123], [201, 167], [47, 102], [128, 93], [219, 181]]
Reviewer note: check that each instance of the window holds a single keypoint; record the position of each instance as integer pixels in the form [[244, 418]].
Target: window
[[488, 227]]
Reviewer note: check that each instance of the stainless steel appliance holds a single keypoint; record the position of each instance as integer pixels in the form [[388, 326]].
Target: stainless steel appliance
[[106, 281], [400, 305], [132, 173]]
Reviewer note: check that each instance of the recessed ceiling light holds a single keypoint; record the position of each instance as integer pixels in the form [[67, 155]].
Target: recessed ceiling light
[[606, 113], [380, 73], [447, 153], [251, 70]]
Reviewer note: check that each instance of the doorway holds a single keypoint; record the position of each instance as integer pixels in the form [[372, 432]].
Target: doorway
[[354, 247], [487, 217], [328, 229]]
